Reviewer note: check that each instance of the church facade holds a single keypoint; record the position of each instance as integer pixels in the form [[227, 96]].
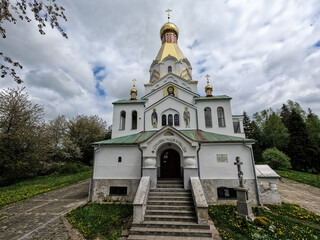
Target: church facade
[[173, 132]]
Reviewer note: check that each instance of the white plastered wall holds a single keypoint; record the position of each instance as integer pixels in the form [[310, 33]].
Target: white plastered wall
[[128, 108], [210, 168], [106, 165], [165, 106], [214, 104]]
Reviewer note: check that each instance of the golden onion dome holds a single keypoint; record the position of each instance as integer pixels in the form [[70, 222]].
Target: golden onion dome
[[169, 27], [133, 90], [208, 87]]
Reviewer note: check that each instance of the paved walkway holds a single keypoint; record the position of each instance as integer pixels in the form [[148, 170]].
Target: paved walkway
[[20, 218], [297, 193]]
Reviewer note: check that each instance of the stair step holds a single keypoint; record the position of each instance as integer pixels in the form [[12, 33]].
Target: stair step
[[170, 232], [169, 190], [171, 198], [161, 224], [164, 207], [154, 237], [171, 212], [170, 203], [170, 185], [165, 218], [170, 194]]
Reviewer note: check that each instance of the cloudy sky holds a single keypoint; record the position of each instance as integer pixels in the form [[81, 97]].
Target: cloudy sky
[[261, 53]]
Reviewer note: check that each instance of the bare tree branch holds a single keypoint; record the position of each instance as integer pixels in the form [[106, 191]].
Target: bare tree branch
[[44, 11]]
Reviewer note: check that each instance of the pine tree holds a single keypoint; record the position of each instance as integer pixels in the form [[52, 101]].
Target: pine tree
[[303, 153], [247, 125]]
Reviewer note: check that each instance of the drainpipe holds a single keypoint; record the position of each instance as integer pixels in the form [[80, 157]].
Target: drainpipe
[[197, 121], [144, 120], [198, 161], [91, 182], [255, 174], [141, 157]]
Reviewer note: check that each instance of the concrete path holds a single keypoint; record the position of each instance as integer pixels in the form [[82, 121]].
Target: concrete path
[[304, 195], [20, 218]]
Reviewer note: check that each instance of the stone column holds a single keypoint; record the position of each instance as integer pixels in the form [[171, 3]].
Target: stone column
[[189, 170], [149, 169]]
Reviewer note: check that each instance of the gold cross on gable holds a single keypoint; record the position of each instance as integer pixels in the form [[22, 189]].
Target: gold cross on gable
[[168, 11], [207, 76], [134, 82]]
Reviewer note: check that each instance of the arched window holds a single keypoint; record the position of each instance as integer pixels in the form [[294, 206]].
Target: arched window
[[164, 120], [221, 120], [176, 120], [122, 120], [170, 120], [134, 121], [169, 69], [208, 117]]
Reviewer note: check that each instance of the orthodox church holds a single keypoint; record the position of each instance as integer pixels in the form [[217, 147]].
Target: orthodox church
[[172, 131]]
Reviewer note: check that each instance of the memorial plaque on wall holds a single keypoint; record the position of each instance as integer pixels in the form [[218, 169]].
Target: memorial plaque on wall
[[222, 158]]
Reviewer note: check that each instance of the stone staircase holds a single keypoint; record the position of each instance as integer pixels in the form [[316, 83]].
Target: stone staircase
[[170, 214]]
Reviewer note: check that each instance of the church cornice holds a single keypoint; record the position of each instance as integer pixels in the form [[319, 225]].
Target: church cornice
[[128, 101], [170, 83], [169, 97], [173, 74]]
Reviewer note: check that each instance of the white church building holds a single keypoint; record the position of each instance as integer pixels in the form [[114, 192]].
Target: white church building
[[174, 130]]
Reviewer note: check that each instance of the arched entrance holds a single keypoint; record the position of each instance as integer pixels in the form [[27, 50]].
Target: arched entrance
[[170, 164]]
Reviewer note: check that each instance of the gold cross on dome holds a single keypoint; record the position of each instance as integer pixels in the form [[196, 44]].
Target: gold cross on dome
[[207, 76], [134, 82], [168, 11]]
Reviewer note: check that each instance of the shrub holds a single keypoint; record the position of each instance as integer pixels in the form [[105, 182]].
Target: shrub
[[262, 222], [276, 159]]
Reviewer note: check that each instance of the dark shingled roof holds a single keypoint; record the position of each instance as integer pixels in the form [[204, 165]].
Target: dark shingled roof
[[195, 135]]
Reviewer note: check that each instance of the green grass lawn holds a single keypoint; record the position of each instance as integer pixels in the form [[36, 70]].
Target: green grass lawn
[[29, 188], [286, 221], [307, 178], [102, 221]]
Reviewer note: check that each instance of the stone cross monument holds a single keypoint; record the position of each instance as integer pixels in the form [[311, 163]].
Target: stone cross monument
[[244, 208]]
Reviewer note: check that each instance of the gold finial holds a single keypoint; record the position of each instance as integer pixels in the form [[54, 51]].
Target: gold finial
[[134, 82], [207, 76], [168, 11]]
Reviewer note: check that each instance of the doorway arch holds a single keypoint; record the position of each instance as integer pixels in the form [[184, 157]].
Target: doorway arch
[[170, 164]]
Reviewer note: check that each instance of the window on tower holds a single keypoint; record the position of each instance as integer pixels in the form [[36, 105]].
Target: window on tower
[[170, 120], [221, 119], [169, 69], [134, 119], [122, 120], [176, 120], [164, 120], [208, 117]]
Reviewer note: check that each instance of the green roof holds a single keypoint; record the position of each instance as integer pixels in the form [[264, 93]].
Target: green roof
[[130, 139], [201, 136], [218, 97], [195, 135], [125, 101]]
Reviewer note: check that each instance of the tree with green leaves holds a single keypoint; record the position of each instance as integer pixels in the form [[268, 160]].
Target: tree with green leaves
[[23, 139], [247, 125], [84, 130], [313, 127], [273, 131], [303, 153], [62, 149]]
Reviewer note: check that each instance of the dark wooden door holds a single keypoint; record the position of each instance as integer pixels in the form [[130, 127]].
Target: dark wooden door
[[170, 164]]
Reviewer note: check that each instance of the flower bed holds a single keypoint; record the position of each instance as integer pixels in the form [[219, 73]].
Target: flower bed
[[284, 221]]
